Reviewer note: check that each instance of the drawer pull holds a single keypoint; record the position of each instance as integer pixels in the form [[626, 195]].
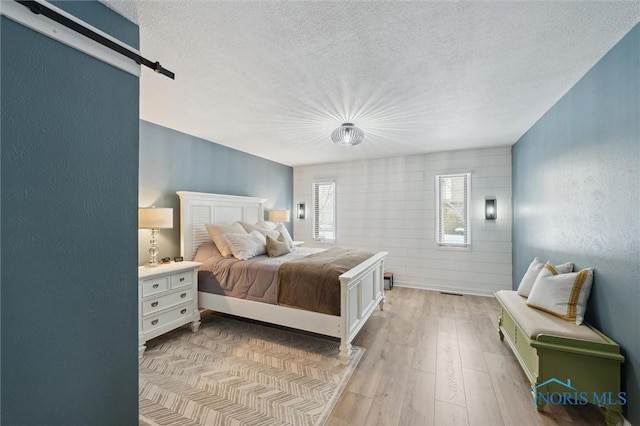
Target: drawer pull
[[154, 322], [184, 311], [154, 304], [183, 295], [156, 285], [182, 279]]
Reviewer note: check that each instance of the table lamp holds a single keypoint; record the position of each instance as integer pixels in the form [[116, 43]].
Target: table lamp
[[154, 219]]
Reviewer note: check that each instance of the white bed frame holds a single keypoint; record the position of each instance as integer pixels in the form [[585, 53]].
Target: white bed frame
[[362, 288]]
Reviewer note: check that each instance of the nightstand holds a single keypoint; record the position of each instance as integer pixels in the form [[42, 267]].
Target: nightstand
[[167, 299]]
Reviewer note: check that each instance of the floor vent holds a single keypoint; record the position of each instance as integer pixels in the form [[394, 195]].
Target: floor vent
[[451, 294]]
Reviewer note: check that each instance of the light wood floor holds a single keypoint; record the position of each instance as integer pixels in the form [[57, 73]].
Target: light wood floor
[[435, 359]]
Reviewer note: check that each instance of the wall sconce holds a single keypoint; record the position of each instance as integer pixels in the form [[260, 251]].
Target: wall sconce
[[490, 209], [301, 211]]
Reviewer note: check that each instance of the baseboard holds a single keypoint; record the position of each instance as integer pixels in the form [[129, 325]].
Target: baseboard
[[433, 287]]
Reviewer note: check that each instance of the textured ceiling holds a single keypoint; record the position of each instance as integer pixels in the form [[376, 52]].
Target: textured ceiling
[[275, 78]]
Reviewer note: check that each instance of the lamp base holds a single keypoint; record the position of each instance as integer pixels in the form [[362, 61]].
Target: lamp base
[[153, 251]]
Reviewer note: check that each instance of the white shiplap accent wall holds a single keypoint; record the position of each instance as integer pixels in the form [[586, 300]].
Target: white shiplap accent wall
[[389, 204]]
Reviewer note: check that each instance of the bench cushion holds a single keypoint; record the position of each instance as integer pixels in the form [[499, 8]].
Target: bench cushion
[[535, 322]]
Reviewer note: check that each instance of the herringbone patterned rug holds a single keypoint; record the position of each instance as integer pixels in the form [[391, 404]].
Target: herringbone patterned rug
[[235, 372]]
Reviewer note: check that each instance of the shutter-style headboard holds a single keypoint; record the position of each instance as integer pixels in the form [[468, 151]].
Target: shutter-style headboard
[[199, 208]]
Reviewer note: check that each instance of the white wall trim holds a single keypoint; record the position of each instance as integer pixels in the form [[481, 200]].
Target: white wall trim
[[22, 15], [433, 287]]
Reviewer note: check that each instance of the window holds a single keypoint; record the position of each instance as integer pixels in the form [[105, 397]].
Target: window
[[452, 210], [324, 211]]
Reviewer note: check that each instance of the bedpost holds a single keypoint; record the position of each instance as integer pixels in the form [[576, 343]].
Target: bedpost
[[345, 343], [345, 352], [381, 283]]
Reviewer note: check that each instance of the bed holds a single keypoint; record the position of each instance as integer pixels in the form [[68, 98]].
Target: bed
[[361, 288]]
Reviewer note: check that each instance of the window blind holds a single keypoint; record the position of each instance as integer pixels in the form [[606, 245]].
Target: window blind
[[452, 210], [324, 211]]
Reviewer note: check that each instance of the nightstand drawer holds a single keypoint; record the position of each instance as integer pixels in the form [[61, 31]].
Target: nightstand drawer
[[155, 285], [155, 304], [166, 318], [182, 279]]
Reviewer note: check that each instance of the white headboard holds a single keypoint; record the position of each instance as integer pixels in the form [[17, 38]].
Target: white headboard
[[199, 208]]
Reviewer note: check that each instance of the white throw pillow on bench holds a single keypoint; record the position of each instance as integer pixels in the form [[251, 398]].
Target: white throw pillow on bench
[[529, 278], [562, 295]]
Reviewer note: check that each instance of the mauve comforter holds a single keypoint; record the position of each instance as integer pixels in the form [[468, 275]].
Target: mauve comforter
[[252, 279]]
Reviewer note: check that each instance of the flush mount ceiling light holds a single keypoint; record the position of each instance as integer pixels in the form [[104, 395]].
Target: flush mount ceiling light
[[347, 135]]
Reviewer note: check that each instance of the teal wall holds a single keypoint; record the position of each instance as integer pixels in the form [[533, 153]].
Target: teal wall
[[172, 161], [576, 196], [69, 182]]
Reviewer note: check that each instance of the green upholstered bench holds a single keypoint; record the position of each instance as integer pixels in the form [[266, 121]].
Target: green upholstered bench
[[563, 361]]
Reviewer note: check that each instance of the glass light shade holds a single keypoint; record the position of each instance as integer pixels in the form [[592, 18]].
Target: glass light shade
[[155, 218], [279, 215], [347, 135], [490, 209]]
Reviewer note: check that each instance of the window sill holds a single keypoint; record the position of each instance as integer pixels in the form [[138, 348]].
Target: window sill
[[325, 242], [453, 247]]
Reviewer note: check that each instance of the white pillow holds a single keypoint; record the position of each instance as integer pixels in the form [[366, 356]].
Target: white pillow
[[563, 295], [245, 246], [270, 232], [260, 235], [266, 225], [247, 226], [285, 234], [217, 231], [260, 227], [529, 278]]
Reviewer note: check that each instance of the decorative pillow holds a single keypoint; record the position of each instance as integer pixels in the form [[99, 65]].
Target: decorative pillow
[[285, 234], [563, 295], [206, 250], [270, 232], [529, 278], [277, 247], [217, 231], [245, 246], [247, 226], [266, 225], [260, 235]]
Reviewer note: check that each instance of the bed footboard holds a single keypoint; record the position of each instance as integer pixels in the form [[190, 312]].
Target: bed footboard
[[361, 290]]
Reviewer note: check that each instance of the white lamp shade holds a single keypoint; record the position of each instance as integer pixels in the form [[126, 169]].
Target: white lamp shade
[[279, 215], [155, 218]]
